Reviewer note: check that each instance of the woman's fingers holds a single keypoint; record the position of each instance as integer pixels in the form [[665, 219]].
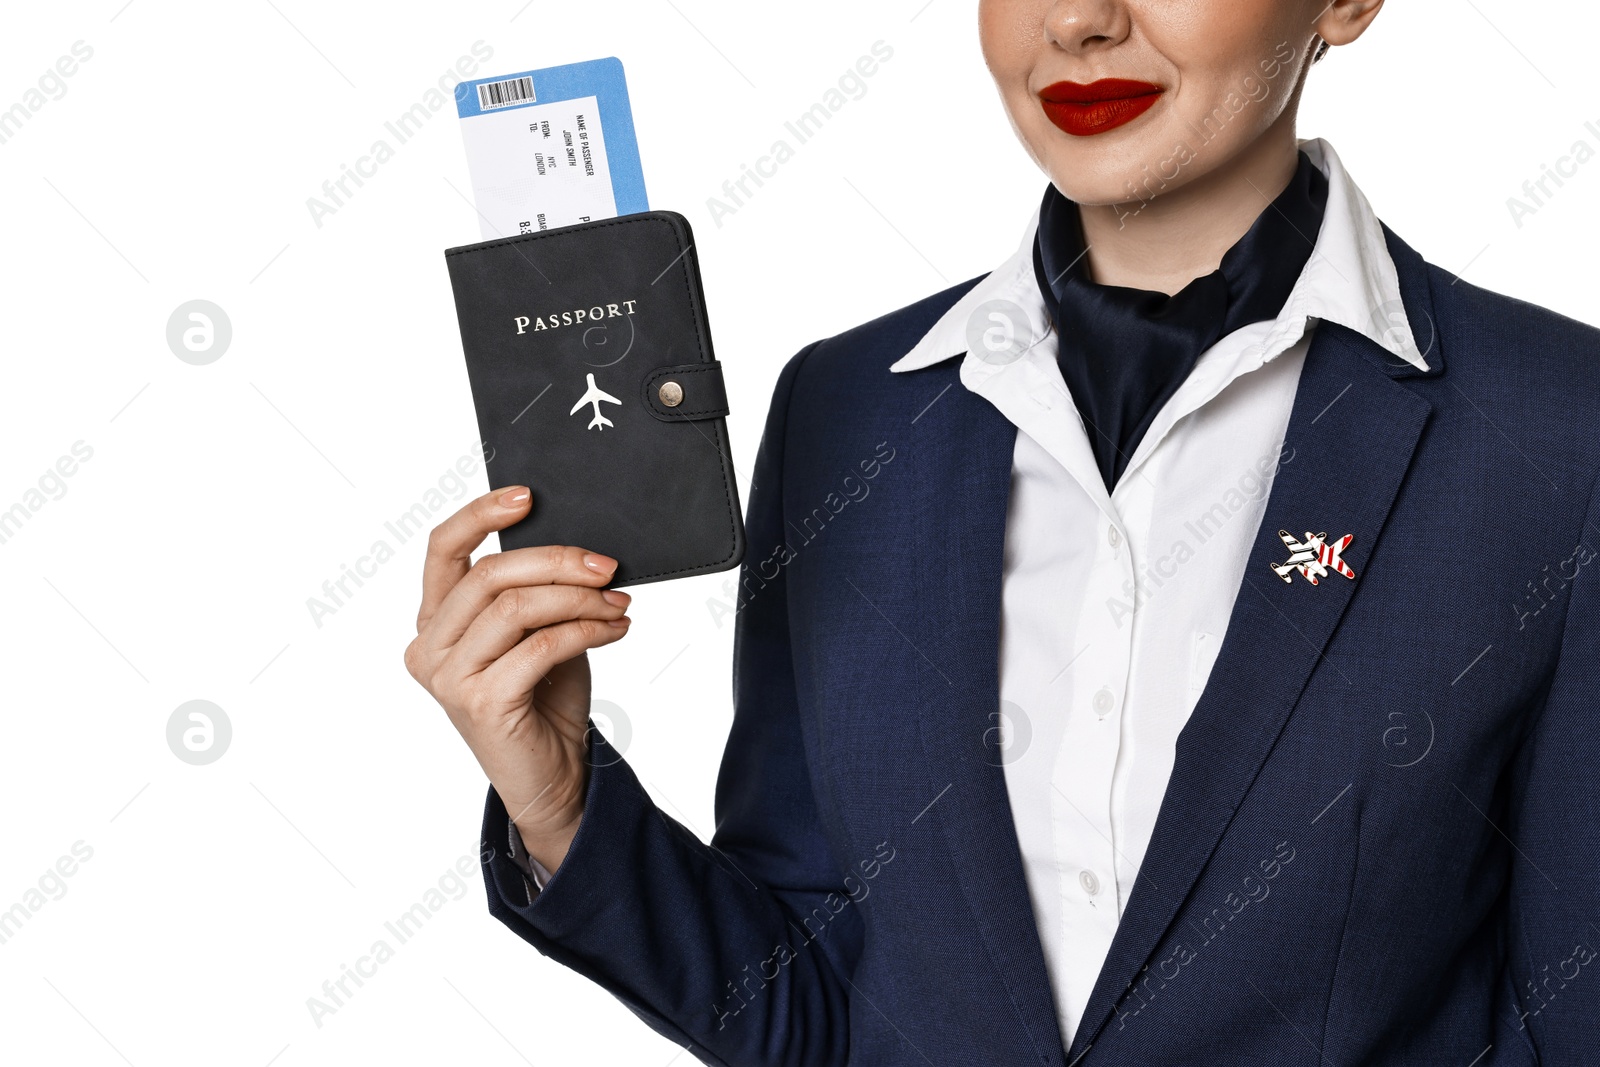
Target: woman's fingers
[[505, 622], [500, 571], [547, 648], [451, 543]]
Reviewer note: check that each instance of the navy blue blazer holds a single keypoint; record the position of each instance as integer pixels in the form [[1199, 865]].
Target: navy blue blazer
[[1381, 840]]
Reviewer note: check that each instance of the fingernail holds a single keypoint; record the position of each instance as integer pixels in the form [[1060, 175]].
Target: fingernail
[[618, 624], [598, 563], [514, 497], [616, 598]]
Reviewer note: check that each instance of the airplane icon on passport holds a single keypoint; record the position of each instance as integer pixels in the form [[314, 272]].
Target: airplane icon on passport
[[593, 397]]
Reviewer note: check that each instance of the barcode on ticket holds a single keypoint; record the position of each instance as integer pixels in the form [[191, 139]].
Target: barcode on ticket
[[503, 94]]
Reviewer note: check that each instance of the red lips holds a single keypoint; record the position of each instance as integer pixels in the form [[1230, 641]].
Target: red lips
[[1099, 106]]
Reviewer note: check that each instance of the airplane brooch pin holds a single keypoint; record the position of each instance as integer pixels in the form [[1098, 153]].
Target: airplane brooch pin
[[1313, 557], [593, 398]]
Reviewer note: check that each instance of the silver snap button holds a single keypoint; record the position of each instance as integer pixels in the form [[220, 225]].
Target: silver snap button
[[1090, 883], [671, 394], [1103, 701]]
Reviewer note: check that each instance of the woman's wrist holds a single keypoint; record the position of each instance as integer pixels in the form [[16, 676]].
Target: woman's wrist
[[547, 832], [547, 846]]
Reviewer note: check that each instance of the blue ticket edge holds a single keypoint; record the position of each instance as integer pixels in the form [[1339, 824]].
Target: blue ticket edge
[[602, 79]]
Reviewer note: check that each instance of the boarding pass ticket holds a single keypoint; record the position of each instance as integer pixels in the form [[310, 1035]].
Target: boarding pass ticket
[[551, 147]]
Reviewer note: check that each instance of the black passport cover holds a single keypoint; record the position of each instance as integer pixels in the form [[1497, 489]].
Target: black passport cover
[[620, 468]]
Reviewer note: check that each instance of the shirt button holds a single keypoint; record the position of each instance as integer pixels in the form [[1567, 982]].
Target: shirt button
[[1103, 701], [1113, 536], [1090, 883]]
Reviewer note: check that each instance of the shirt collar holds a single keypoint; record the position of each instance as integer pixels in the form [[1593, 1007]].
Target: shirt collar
[[1349, 279]]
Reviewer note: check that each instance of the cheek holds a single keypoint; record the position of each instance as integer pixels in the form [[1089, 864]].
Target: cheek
[[1010, 32], [1216, 43], [1233, 61]]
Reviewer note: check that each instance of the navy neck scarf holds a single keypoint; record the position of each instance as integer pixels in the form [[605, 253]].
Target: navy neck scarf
[[1123, 352]]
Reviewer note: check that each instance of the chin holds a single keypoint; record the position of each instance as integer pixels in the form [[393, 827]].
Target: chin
[[1131, 164], [1112, 170]]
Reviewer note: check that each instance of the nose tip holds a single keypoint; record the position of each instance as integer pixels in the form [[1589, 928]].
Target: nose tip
[[1087, 25]]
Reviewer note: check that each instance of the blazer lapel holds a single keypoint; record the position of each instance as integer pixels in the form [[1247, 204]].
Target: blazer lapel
[[1353, 430], [963, 459]]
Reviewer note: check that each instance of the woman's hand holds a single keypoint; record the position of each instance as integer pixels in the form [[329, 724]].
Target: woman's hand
[[503, 646]]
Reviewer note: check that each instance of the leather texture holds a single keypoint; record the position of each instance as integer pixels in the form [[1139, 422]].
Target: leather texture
[[618, 302]]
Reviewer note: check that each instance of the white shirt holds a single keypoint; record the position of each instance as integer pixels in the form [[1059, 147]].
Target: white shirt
[[1114, 605]]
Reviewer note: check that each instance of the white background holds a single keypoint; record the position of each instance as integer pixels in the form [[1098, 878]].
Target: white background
[[178, 563]]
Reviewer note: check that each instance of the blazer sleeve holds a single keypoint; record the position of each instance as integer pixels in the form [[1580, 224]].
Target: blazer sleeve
[[740, 950], [1553, 824]]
